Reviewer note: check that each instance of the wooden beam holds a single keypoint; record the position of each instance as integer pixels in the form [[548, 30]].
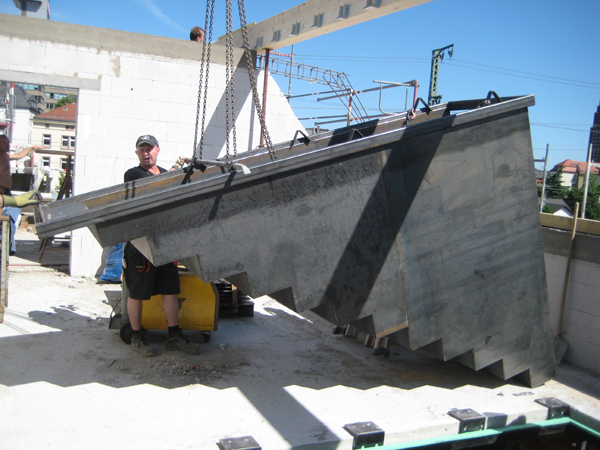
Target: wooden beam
[[315, 18]]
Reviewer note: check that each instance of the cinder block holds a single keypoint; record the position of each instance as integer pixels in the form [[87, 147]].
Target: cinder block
[[180, 133], [83, 183], [584, 272], [147, 67], [184, 94], [118, 127], [187, 114], [141, 88], [125, 108], [137, 127], [188, 73], [88, 103], [168, 112], [583, 298], [34, 54], [161, 91], [158, 129], [129, 66], [148, 110], [122, 87], [581, 353], [8, 53], [101, 64], [580, 324]]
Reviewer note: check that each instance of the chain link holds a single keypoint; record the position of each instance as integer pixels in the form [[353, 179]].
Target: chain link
[[250, 65], [230, 88], [230, 83], [204, 68]]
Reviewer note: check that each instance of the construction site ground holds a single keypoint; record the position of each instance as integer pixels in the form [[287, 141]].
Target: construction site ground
[[68, 381]]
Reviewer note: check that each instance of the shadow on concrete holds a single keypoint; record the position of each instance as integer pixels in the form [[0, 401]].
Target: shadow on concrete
[[56, 254]]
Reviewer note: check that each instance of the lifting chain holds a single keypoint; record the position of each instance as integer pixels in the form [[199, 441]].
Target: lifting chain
[[204, 67], [229, 89], [230, 84], [250, 65]]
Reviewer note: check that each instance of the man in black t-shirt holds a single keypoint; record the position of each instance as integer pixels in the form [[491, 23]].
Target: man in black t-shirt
[[143, 279]]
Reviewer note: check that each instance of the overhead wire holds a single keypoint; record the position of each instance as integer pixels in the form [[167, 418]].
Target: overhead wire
[[453, 62]]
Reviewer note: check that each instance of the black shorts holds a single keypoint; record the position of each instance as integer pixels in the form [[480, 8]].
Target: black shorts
[[144, 280]]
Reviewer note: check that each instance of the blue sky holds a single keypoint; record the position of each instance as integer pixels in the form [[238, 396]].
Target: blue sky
[[513, 47]]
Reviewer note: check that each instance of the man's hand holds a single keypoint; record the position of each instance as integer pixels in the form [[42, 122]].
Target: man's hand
[[179, 163], [20, 201]]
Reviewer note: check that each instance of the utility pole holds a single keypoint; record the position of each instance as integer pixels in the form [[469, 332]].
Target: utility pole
[[545, 161], [436, 57]]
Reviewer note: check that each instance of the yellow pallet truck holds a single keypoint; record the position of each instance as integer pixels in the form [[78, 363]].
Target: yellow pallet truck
[[198, 305]]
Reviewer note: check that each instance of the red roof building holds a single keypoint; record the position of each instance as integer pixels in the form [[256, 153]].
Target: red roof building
[[573, 172]]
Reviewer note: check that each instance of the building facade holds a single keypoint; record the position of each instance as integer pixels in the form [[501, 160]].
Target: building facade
[[55, 132], [46, 97], [573, 173]]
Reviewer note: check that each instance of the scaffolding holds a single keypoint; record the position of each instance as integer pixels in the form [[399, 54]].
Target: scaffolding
[[338, 83]]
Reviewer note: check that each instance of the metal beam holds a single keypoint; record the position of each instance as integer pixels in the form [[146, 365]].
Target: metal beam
[[315, 18]]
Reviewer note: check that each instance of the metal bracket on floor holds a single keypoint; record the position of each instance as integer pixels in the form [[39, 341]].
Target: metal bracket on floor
[[469, 419], [556, 407], [365, 434], [239, 443]]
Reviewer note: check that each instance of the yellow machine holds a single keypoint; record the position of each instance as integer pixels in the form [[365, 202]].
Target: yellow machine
[[198, 304]]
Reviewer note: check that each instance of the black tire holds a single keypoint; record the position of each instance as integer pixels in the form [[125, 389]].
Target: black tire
[[125, 333]]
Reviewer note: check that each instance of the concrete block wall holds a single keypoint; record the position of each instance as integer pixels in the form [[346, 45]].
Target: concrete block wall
[[131, 84], [581, 324]]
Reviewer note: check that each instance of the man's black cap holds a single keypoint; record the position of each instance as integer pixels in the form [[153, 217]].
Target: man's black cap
[[147, 139]]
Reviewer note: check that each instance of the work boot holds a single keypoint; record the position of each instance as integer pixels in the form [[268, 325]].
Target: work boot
[[139, 344], [178, 341]]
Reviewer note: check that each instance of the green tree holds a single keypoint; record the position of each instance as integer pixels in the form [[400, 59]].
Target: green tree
[[66, 100], [592, 209], [554, 188]]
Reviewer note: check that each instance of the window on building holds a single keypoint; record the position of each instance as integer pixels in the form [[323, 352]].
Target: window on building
[[50, 106], [46, 161], [63, 163], [344, 11], [68, 142], [47, 140]]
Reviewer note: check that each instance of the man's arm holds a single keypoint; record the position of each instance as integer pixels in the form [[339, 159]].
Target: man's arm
[[23, 153]]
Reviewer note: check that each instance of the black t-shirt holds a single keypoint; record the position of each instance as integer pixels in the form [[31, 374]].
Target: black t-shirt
[[135, 173]]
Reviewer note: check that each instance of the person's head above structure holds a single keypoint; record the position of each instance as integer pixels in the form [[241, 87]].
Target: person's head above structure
[[197, 34]]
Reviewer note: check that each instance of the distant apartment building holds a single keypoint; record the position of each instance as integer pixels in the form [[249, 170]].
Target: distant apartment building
[[17, 110], [37, 9], [47, 96], [55, 131], [595, 137]]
